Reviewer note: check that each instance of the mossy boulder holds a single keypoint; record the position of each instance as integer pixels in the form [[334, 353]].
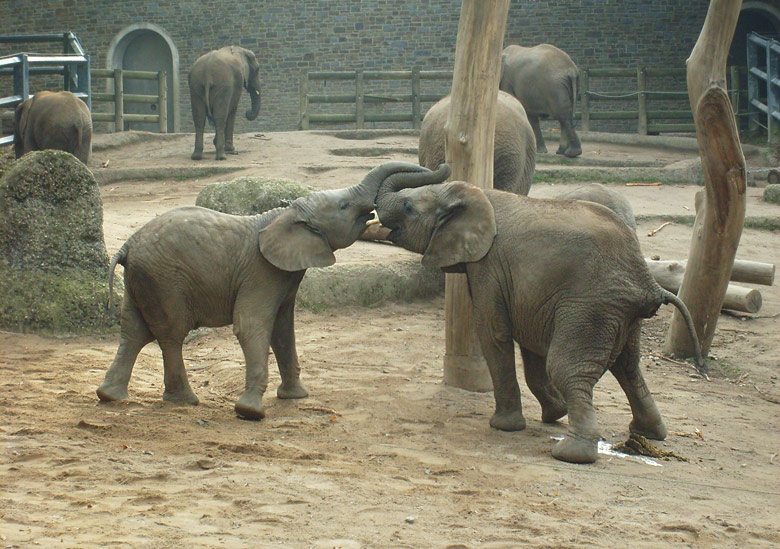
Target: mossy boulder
[[54, 263], [772, 194], [250, 195], [7, 158]]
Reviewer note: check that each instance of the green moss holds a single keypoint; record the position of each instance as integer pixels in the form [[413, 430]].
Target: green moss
[[772, 194], [250, 195], [68, 302]]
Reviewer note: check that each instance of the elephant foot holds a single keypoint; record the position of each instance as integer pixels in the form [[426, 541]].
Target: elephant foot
[[182, 396], [232, 152], [229, 148], [250, 406], [197, 155], [553, 412], [221, 156], [653, 431], [572, 152], [541, 149], [110, 393], [292, 390], [575, 449], [508, 421]]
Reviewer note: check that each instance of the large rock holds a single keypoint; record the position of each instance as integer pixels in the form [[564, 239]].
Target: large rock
[[53, 259], [772, 194], [250, 195]]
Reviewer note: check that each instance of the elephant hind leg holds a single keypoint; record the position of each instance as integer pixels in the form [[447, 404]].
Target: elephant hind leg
[[134, 336], [177, 386], [199, 120], [552, 402], [647, 419], [537, 128], [570, 142]]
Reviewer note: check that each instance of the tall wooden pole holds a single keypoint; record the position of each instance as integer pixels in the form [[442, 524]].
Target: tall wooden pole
[[720, 219], [469, 150]]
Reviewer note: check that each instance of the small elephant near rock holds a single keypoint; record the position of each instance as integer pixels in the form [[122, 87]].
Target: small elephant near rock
[[216, 80], [545, 80], [53, 120], [565, 279], [195, 267], [514, 150]]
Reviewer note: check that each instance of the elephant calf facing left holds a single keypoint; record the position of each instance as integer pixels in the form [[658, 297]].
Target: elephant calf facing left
[[195, 267]]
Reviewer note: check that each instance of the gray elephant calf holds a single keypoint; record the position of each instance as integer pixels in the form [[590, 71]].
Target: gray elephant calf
[[600, 194], [563, 278], [195, 267], [514, 151]]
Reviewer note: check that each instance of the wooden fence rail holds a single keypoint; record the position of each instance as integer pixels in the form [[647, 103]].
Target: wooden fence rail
[[119, 98], [638, 92]]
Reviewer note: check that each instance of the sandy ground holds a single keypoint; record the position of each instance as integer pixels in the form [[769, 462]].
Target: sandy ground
[[381, 454]]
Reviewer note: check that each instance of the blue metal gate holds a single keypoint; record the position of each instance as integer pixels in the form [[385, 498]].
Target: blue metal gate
[[764, 84]]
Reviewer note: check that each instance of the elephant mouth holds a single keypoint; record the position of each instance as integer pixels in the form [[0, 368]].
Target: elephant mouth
[[365, 218]]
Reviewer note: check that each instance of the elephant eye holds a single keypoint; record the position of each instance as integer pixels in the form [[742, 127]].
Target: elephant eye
[[407, 207], [343, 204]]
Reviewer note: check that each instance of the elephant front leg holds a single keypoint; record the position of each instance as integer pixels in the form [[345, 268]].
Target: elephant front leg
[[499, 352], [553, 404], [254, 342], [283, 345]]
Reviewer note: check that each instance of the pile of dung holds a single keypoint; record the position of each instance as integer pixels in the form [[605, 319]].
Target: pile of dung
[[250, 195], [53, 260], [639, 446]]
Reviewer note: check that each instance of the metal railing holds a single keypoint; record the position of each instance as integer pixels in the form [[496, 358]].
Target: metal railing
[[764, 85], [72, 64], [119, 98]]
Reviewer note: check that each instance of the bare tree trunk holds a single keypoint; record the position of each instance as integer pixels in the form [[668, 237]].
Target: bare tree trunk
[[469, 149], [719, 223]]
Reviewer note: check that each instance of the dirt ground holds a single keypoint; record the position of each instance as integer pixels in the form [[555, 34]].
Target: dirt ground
[[381, 454]]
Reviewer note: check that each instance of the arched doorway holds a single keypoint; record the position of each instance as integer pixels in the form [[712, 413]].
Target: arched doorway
[[147, 47], [755, 16]]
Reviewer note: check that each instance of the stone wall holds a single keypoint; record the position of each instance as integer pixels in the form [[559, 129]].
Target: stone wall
[[291, 37]]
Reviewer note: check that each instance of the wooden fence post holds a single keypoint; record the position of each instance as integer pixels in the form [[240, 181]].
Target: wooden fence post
[[585, 99], [119, 123], [304, 104], [734, 88], [469, 149], [416, 107], [360, 114], [641, 101], [162, 104]]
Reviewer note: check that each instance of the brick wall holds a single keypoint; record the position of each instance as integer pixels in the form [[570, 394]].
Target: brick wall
[[291, 37]]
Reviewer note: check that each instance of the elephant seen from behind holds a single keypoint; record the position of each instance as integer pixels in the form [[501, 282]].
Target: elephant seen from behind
[[514, 150], [565, 279], [195, 267], [216, 80], [53, 120], [545, 80]]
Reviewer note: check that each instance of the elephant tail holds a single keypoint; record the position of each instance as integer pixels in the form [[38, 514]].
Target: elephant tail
[[206, 95], [120, 257], [669, 297]]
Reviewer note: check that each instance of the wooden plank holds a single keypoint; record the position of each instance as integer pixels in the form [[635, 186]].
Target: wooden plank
[[359, 107], [119, 124], [641, 102], [162, 104], [416, 108], [303, 107]]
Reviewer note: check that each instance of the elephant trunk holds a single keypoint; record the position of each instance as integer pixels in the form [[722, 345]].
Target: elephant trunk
[[406, 180], [378, 178], [254, 95]]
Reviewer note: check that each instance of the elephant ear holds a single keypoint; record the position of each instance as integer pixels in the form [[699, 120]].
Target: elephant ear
[[291, 245], [465, 228]]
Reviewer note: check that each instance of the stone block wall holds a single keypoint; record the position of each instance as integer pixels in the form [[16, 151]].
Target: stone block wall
[[292, 37]]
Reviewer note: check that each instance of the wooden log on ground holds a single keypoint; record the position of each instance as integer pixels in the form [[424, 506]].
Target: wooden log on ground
[[669, 275], [748, 272]]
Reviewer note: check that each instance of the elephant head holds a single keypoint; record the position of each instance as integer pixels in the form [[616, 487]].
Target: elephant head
[[449, 223], [250, 69], [313, 226]]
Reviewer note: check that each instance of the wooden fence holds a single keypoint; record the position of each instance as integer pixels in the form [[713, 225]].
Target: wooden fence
[[119, 98], [636, 91]]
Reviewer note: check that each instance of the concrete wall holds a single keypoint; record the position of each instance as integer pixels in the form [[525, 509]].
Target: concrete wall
[[291, 37]]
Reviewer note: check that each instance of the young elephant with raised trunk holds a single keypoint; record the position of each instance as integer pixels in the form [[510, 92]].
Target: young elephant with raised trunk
[[195, 267], [563, 278]]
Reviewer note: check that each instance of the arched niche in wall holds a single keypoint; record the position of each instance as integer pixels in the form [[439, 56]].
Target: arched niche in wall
[[146, 47], [758, 16]]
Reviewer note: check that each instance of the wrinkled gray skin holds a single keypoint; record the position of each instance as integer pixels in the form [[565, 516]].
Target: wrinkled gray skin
[[514, 150], [195, 267], [598, 193], [216, 80], [572, 295], [546, 82], [53, 120]]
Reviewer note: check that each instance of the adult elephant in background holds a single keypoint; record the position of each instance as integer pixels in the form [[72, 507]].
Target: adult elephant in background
[[601, 194], [216, 80], [546, 81], [53, 120], [514, 151]]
